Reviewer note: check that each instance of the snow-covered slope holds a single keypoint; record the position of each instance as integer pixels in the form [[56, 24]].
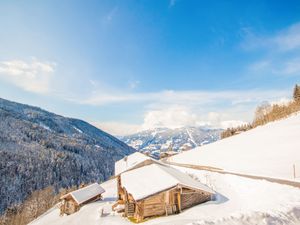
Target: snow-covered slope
[[266, 151], [160, 139], [270, 150], [239, 201]]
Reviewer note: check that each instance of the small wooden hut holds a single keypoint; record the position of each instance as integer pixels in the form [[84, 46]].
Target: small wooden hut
[[156, 190], [72, 201]]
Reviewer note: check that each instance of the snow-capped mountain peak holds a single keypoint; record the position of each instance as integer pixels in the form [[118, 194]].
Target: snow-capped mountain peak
[[157, 140]]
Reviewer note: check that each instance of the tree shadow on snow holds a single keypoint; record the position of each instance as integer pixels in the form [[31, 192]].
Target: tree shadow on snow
[[109, 199]]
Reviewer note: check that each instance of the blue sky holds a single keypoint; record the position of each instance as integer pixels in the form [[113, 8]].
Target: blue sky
[[131, 65]]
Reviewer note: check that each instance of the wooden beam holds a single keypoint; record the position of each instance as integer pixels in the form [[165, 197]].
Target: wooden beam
[[140, 211], [179, 201]]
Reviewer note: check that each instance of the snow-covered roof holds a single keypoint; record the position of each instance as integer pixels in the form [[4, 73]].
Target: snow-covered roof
[[84, 194], [130, 161], [154, 178]]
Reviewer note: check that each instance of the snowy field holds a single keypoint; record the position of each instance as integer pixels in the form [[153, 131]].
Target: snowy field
[[239, 201], [270, 151]]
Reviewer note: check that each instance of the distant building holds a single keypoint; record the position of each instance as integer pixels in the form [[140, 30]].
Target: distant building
[[156, 190], [72, 201], [167, 154]]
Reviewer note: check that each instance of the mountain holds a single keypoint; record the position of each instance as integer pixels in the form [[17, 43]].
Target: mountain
[[271, 150], [179, 139], [39, 148]]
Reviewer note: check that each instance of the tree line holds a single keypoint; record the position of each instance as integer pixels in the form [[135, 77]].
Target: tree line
[[266, 113], [33, 206]]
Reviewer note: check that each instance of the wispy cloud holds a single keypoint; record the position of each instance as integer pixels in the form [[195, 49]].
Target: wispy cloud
[[32, 76], [280, 51], [174, 109], [171, 97], [109, 17], [287, 39], [118, 128], [276, 65], [133, 84], [172, 3], [290, 67]]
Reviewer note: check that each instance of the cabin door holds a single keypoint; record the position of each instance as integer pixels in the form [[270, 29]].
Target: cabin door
[[177, 202]]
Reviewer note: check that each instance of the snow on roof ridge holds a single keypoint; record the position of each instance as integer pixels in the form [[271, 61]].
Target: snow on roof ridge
[[81, 190], [130, 161], [133, 154]]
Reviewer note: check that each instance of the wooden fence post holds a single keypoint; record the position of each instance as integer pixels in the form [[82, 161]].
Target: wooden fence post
[[294, 168]]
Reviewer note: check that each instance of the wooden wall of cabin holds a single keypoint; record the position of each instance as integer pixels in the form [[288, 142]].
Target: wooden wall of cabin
[[96, 198], [190, 198], [164, 203], [119, 188], [69, 206], [155, 205], [167, 203]]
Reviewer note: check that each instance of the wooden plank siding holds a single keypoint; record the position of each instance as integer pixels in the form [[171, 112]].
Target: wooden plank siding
[[155, 205], [190, 198]]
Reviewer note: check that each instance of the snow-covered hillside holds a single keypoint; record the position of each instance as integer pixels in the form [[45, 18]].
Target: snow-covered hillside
[[160, 139], [239, 201], [270, 150]]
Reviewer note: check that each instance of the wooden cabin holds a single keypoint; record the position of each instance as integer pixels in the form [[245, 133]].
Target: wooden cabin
[[72, 201], [156, 190]]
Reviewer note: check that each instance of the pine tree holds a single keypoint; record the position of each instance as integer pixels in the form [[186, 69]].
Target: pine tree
[[296, 93]]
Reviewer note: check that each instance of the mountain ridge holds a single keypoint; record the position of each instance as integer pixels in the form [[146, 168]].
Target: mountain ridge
[[40, 148], [158, 140]]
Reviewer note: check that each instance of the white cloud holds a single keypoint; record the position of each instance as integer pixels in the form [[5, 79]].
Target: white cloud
[[288, 39], [231, 123], [172, 117], [285, 40], [185, 108], [33, 76], [290, 67], [281, 51], [260, 65], [133, 84], [198, 98], [118, 128], [281, 66], [175, 117], [281, 101], [109, 17]]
